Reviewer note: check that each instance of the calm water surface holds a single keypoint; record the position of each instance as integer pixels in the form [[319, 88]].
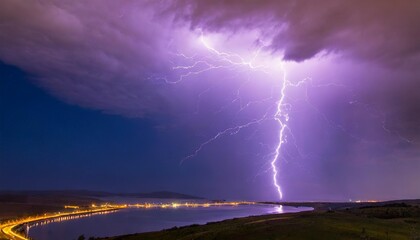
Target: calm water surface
[[129, 221]]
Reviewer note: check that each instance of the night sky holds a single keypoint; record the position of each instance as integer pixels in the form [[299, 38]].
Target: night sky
[[190, 96]]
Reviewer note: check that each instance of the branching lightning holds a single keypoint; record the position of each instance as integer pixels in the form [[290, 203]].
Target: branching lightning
[[278, 111], [228, 60]]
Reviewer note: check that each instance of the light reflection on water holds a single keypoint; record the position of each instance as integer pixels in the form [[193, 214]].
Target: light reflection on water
[[279, 209], [65, 218], [129, 221]]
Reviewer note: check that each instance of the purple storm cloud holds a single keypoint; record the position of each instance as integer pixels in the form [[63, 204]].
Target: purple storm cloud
[[384, 31], [352, 65]]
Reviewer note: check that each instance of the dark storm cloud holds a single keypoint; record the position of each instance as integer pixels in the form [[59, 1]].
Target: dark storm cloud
[[95, 54], [381, 34], [385, 31], [100, 54]]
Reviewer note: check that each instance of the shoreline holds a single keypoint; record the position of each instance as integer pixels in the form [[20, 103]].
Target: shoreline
[[326, 218], [8, 229]]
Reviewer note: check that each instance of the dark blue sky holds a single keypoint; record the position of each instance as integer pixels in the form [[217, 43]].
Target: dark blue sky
[[46, 143], [49, 144]]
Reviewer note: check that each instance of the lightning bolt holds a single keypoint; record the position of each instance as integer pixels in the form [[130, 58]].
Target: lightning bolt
[[282, 118], [278, 111], [280, 115]]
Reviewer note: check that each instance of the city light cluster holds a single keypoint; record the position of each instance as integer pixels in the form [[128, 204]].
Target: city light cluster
[[189, 205]]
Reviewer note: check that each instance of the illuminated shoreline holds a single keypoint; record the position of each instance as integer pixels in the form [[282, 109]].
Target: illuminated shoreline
[[8, 229]]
